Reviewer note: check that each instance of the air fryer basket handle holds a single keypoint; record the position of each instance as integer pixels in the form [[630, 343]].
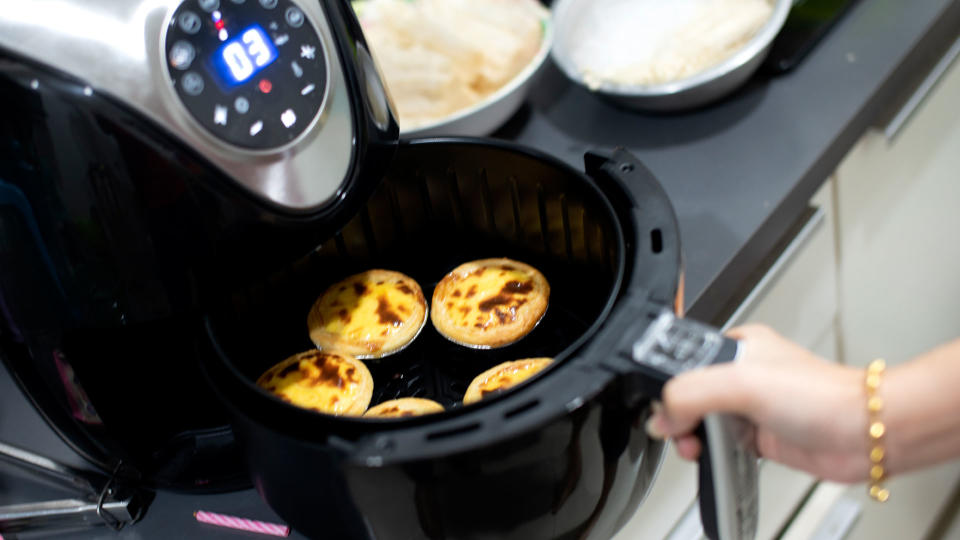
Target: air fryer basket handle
[[728, 463], [641, 202], [670, 345]]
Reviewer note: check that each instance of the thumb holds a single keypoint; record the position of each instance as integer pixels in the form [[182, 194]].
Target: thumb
[[688, 397]]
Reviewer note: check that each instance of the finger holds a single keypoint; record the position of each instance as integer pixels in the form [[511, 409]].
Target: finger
[[688, 397], [750, 331], [688, 447], [656, 425]]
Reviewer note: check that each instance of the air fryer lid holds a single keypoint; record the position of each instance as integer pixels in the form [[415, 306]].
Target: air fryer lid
[[280, 95]]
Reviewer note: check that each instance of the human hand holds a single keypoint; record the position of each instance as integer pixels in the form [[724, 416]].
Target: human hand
[[809, 413]]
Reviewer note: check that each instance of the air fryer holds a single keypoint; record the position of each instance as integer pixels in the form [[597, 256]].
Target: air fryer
[[175, 194], [565, 455]]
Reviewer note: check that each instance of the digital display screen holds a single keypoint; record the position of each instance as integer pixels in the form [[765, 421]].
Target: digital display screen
[[243, 56]]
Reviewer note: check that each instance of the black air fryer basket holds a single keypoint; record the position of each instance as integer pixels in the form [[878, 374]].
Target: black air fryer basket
[[562, 456]]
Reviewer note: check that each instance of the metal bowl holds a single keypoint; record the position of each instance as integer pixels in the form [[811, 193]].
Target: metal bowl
[[699, 89], [485, 116]]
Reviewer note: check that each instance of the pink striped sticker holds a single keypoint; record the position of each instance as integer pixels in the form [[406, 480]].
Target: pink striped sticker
[[232, 522]]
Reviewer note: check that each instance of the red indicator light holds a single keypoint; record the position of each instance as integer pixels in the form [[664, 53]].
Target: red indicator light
[[265, 86], [218, 25]]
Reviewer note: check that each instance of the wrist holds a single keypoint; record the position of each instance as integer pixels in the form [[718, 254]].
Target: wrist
[[902, 423]]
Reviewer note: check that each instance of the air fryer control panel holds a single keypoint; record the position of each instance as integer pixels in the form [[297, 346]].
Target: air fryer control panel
[[252, 72], [287, 134]]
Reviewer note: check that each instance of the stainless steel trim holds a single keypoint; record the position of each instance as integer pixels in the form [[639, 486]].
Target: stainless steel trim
[[116, 47], [735, 475], [98, 508], [66, 513], [49, 469], [813, 224], [910, 107]]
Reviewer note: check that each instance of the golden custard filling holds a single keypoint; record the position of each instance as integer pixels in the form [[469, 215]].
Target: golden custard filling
[[503, 376], [488, 297], [323, 382], [510, 376], [404, 408], [369, 312]]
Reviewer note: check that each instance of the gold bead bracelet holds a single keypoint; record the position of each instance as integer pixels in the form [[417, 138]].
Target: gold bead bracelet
[[876, 432]]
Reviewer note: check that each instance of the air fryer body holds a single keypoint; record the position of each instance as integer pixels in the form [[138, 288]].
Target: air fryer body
[[579, 476], [565, 455], [121, 215]]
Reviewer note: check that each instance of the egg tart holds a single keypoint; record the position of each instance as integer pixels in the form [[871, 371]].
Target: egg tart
[[404, 407], [326, 382], [502, 377], [489, 303], [368, 315]]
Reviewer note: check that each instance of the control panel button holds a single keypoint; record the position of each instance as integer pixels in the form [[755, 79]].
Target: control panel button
[[294, 17], [289, 118], [307, 89], [308, 51], [268, 4], [192, 83], [189, 22], [220, 115], [241, 105], [297, 70], [209, 5], [182, 54], [256, 128]]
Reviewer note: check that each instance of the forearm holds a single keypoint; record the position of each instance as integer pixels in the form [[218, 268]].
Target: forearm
[[922, 409]]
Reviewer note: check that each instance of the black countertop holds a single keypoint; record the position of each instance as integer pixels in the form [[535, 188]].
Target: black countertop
[[739, 173]]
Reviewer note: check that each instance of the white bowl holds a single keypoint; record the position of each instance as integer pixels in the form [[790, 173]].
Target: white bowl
[[484, 117], [698, 89]]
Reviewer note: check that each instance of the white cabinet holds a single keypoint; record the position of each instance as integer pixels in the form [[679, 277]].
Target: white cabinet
[[899, 220], [898, 216], [917, 503]]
